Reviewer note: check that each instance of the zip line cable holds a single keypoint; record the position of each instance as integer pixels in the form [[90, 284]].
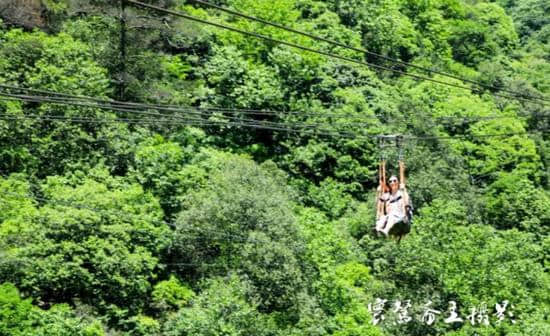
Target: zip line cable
[[257, 124], [280, 126], [93, 120], [196, 110], [149, 122], [177, 108], [119, 106], [196, 121], [317, 51], [186, 110], [199, 110], [360, 50]]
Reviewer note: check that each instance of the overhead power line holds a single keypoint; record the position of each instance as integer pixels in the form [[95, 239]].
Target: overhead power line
[[361, 50], [521, 97]]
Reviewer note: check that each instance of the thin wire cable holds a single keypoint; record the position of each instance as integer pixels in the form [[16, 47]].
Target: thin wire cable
[[198, 110], [258, 124], [361, 50], [255, 125], [317, 51], [479, 136], [129, 109], [149, 122], [139, 121], [177, 108]]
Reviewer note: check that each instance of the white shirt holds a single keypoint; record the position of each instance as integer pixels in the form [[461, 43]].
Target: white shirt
[[395, 204]]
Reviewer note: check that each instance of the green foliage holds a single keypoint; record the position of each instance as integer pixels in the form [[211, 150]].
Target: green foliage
[[222, 308], [15, 207], [243, 218], [335, 164], [447, 259], [328, 243], [515, 152], [18, 317], [344, 284], [512, 201], [385, 30], [158, 167], [13, 310], [156, 229], [58, 63], [144, 325], [530, 16], [171, 294], [95, 240], [489, 32], [240, 83], [342, 293], [280, 11]]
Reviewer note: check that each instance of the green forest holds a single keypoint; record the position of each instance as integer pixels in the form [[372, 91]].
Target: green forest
[[205, 168]]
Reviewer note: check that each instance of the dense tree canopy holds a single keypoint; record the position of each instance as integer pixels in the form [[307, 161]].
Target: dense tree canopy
[[239, 200]]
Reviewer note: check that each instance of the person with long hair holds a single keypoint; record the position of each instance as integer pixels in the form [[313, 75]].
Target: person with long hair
[[393, 203]]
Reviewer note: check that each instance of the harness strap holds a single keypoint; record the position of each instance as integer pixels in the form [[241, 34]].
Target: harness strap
[[396, 199]]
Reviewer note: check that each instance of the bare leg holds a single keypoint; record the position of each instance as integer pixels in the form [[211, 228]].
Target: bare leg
[[390, 223], [381, 222]]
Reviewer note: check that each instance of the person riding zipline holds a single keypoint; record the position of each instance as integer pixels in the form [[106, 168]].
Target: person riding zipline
[[393, 205]]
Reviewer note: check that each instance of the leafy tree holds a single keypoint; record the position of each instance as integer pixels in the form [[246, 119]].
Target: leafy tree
[[223, 307], [512, 201], [158, 165], [171, 294], [19, 317], [490, 31], [97, 239], [343, 285], [62, 64], [243, 219], [385, 30], [529, 16]]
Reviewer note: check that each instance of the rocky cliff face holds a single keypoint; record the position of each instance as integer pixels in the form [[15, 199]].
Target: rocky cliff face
[[24, 13]]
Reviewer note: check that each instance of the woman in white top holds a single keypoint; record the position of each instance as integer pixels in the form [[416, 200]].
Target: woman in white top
[[393, 203]]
